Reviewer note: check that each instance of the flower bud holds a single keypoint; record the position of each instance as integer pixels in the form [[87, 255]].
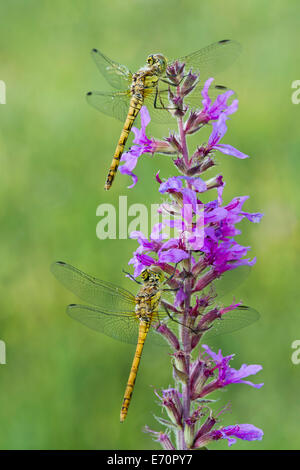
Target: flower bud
[[198, 378], [172, 404], [189, 432], [174, 142], [164, 147], [189, 83], [175, 72], [160, 437], [169, 336], [203, 436], [215, 182], [179, 361]]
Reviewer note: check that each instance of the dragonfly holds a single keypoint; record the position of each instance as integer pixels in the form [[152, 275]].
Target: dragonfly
[[150, 86], [129, 318]]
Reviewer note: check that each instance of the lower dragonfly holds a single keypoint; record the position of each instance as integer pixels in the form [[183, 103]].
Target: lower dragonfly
[[150, 86], [121, 315]]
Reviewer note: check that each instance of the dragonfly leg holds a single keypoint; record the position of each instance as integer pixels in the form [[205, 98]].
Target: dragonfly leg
[[172, 275], [165, 80], [174, 319], [162, 105], [131, 277]]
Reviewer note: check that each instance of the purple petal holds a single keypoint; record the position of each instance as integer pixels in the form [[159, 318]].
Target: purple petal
[[198, 183], [206, 98], [145, 117], [189, 198], [180, 297], [247, 432], [229, 150], [174, 183], [125, 171], [174, 255], [232, 108], [254, 217], [235, 376], [130, 160], [219, 130]]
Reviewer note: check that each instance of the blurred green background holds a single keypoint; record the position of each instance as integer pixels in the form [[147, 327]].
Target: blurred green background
[[63, 384]]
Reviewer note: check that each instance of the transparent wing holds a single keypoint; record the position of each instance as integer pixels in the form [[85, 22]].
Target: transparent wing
[[106, 295], [123, 327], [161, 114], [234, 320], [212, 59], [116, 74], [240, 317], [230, 280], [120, 327], [194, 100], [112, 104]]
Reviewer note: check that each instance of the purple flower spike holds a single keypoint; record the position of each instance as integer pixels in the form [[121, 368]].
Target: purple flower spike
[[194, 243]]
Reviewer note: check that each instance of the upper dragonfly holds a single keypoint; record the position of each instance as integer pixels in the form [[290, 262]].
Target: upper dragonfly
[[150, 86]]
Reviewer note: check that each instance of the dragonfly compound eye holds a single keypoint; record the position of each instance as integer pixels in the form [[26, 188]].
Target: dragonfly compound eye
[[150, 60], [145, 274]]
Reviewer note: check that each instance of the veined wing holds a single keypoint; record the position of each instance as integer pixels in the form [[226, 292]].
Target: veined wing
[[227, 282], [160, 114], [235, 319], [122, 327], [112, 104], [212, 59], [106, 295], [117, 75], [194, 99], [231, 321], [230, 280]]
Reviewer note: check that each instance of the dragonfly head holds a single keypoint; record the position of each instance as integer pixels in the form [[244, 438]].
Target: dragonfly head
[[158, 62], [153, 274]]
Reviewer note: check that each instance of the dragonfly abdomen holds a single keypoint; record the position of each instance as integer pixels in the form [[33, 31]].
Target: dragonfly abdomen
[[143, 330], [134, 109]]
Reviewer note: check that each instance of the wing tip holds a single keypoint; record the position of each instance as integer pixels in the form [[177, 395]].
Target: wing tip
[[55, 264]]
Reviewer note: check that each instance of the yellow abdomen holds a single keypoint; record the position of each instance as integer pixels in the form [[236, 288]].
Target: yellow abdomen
[[134, 109]]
